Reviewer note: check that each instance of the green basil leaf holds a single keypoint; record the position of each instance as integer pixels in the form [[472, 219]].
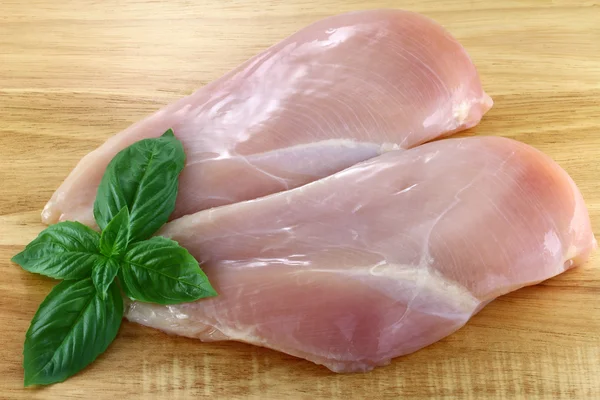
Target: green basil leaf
[[144, 178], [115, 237], [103, 275], [67, 250], [70, 329], [160, 271]]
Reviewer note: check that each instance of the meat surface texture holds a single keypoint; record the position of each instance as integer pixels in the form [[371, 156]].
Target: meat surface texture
[[383, 258], [338, 92]]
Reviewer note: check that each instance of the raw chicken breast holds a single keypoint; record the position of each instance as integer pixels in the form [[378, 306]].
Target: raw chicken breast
[[338, 92], [383, 258]]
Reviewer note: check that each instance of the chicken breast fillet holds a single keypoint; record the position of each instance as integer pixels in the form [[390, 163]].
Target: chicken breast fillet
[[383, 258], [338, 92]]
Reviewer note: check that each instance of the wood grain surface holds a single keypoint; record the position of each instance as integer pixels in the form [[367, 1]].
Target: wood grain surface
[[74, 72]]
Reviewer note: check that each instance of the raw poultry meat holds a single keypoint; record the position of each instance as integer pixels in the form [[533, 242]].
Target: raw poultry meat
[[338, 92], [383, 258]]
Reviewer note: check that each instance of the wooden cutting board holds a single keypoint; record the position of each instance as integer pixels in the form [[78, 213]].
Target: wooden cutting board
[[74, 72]]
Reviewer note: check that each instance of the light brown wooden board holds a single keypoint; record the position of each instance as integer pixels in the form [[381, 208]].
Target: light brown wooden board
[[72, 73]]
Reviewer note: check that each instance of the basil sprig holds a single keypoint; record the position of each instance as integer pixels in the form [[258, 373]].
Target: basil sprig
[[81, 316]]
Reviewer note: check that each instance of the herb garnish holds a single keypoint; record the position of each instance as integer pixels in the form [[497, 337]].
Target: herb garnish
[[82, 314]]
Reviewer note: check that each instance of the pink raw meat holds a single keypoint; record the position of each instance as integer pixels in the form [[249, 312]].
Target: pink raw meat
[[338, 92], [383, 258]]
